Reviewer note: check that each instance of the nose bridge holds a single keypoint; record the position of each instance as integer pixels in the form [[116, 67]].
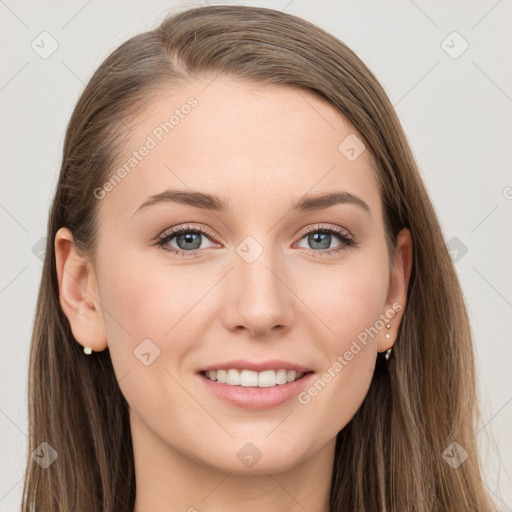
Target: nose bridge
[[260, 297]]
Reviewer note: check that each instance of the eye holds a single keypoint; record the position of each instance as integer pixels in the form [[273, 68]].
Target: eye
[[188, 240], [320, 237]]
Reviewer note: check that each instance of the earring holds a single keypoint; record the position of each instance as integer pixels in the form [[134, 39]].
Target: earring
[[388, 352], [88, 350]]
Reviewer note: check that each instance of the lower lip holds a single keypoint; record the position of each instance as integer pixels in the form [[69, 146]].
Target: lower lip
[[257, 398]]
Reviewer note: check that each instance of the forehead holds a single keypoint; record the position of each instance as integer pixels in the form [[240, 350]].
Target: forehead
[[250, 144]]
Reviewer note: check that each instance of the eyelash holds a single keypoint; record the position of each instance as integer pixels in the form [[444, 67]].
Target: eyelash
[[343, 236]]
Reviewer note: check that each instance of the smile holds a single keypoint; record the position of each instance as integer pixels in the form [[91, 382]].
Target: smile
[[250, 378], [253, 390]]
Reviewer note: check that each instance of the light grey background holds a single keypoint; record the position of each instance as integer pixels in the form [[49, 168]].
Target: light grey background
[[457, 114]]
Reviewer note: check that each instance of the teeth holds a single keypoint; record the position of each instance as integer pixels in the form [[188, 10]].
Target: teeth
[[281, 377], [249, 378], [233, 378]]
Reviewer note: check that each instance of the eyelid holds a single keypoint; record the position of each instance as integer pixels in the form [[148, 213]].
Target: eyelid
[[325, 227], [185, 227], [211, 234]]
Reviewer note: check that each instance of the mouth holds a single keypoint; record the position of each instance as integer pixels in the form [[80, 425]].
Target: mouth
[[254, 379], [253, 390]]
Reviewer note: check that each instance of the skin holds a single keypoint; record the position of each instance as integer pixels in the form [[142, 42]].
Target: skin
[[261, 148]]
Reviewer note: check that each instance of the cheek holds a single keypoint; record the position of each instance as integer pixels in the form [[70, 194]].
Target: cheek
[[130, 307], [346, 300], [145, 299], [148, 330], [132, 299], [349, 305]]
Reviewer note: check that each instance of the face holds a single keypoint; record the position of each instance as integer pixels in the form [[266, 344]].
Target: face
[[273, 277]]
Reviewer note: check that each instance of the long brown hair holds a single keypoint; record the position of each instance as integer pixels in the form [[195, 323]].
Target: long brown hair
[[389, 456]]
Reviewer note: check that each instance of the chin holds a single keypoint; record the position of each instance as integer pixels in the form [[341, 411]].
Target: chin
[[259, 456]]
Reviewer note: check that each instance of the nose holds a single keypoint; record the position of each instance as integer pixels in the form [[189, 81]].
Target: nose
[[259, 298]]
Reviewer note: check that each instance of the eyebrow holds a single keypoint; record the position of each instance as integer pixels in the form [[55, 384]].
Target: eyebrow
[[215, 203]]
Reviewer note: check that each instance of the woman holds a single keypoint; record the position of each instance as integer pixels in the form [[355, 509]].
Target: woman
[[248, 302]]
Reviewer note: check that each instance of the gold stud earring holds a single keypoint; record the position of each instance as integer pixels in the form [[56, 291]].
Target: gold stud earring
[[88, 350]]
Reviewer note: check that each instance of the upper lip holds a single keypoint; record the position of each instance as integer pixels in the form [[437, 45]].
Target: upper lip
[[241, 364]]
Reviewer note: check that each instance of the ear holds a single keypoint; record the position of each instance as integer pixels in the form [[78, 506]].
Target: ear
[[397, 290], [78, 293]]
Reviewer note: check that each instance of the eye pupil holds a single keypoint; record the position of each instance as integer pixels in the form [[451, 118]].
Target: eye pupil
[[189, 239], [323, 238]]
